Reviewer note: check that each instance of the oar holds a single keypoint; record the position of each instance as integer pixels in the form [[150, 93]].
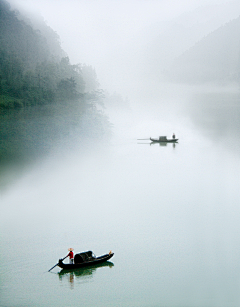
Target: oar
[[143, 139], [56, 264]]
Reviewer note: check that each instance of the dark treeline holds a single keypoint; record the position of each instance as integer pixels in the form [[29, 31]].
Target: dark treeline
[[45, 102], [33, 68]]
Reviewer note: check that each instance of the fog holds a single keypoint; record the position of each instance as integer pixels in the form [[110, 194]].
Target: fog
[[169, 212], [130, 43]]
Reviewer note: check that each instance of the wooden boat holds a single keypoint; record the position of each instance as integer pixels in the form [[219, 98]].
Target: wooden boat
[[88, 270], [85, 259], [163, 139]]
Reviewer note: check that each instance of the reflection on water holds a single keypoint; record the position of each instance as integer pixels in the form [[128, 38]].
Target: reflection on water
[[164, 144], [29, 135], [161, 144], [170, 213], [83, 274]]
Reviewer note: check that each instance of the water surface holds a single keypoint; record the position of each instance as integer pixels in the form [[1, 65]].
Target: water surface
[[169, 213]]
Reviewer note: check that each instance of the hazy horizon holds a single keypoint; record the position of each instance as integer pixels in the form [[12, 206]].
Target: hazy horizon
[[120, 38]]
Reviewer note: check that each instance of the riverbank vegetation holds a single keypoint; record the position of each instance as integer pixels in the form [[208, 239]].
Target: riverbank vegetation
[[34, 68], [45, 101]]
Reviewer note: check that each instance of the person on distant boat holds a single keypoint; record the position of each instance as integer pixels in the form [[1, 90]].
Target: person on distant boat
[[173, 136], [70, 255]]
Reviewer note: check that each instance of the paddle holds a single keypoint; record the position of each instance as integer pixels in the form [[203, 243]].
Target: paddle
[[143, 139], [56, 264]]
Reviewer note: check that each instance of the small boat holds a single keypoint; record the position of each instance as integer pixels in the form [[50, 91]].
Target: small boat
[[85, 259], [88, 270], [163, 139]]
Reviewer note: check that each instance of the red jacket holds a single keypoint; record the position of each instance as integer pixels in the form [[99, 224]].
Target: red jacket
[[70, 255]]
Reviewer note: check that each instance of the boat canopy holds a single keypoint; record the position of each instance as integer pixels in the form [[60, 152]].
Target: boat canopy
[[82, 257], [162, 138]]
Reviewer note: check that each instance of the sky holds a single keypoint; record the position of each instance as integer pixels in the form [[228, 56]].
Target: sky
[[113, 35]]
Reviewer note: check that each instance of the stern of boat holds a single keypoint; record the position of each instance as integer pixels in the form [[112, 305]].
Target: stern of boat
[[60, 263]]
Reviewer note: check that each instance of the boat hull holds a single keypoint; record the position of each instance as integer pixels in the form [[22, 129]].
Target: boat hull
[[165, 141], [93, 262]]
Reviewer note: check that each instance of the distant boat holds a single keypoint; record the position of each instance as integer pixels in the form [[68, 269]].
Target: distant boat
[[163, 139], [85, 259]]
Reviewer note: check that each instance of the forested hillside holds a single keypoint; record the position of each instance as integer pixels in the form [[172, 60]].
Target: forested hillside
[[215, 58], [33, 67], [45, 102]]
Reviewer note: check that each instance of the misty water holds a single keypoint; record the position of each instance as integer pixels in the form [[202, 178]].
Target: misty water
[[170, 213]]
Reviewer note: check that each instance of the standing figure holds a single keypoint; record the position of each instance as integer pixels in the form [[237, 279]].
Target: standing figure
[[70, 255], [173, 136]]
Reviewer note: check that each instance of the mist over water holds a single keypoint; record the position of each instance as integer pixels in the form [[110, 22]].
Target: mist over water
[[169, 212]]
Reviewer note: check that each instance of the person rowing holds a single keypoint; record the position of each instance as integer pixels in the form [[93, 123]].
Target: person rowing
[[70, 255]]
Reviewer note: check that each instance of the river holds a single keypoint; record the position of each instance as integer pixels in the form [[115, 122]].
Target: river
[[170, 213]]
